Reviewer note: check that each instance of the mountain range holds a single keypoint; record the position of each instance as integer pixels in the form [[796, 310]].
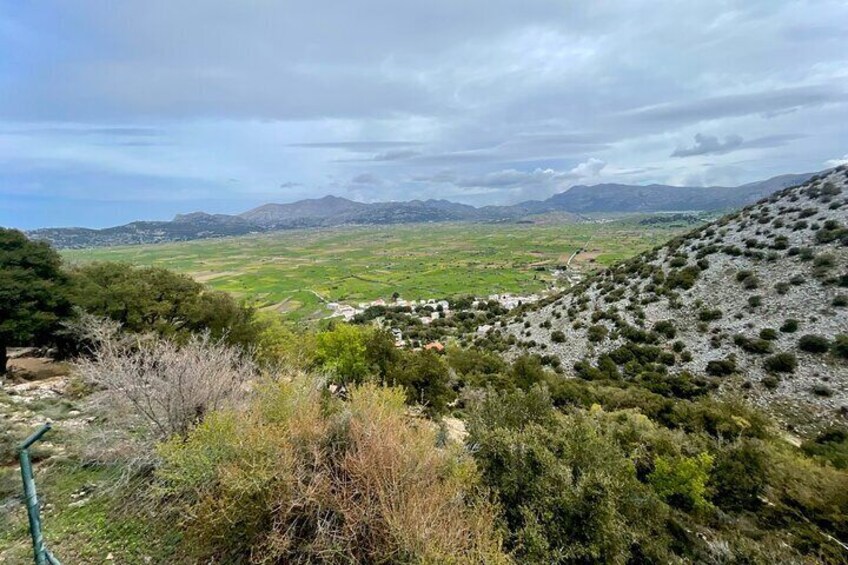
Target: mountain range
[[335, 211]]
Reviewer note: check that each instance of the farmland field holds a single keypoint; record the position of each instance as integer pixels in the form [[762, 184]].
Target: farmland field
[[294, 271]]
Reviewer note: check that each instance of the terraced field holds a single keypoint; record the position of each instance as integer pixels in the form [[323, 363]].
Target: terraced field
[[294, 271]]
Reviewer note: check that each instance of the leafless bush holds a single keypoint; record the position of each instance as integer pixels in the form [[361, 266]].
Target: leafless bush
[[172, 386]]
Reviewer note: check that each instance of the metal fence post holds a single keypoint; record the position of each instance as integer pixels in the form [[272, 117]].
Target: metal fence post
[[41, 554]]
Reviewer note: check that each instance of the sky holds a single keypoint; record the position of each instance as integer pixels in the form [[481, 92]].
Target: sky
[[119, 111]]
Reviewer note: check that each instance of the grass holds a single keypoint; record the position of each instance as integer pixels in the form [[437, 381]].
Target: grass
[[294, 271], [84, 517]]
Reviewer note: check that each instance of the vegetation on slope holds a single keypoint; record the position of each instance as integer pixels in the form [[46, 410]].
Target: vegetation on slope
[[283, 444], [753, 302]]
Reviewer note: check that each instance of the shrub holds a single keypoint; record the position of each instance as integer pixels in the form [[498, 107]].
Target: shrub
[[565, 485], [771, 382], [769, 334], [666, 328], [839, 301], [831, 446], [296, 479], [758, 346], [723, 367], [597, 333], [709, 315], [743, 275], [813, 344], [790, 325], [557, 336], [682, 278], [171, 386], [153, 299], [840, 346], [682, 481], [781, 363], [755, 301], [822, 390], [740, 475], [781, 287]]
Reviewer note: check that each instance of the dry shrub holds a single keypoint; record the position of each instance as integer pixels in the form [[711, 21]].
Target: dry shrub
[[171, 385], [301, 477]]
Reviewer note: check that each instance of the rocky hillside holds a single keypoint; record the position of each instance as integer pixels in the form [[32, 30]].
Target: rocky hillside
[[756, 302]]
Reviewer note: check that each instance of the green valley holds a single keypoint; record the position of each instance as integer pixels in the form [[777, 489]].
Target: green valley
[[293, 271]]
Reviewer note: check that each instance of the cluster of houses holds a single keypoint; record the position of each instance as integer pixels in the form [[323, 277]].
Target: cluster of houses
[[440, 308]]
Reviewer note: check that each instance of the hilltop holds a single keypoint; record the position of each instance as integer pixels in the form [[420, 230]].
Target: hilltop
[[755, 302], [332, 211]]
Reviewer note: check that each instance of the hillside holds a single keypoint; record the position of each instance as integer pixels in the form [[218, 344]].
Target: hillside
[[184, 227], [659, 198], [756, 302], [332, 211]]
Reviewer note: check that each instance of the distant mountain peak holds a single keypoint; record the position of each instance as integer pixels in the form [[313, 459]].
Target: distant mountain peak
[[331, 210]]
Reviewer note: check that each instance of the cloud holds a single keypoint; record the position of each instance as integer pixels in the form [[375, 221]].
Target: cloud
[[837, 162], [355, 146], [396, 155], [537, 183], [709, 144], [432, 98], [367, 178], [590, 168], [735, 105]]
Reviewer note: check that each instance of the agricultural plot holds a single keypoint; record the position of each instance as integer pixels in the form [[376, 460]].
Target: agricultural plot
[[295, 271]]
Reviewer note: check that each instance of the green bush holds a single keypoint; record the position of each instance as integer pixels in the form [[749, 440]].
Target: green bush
[[565, 486], [790, 325], [723, 367], [666, 328], [682, 481], [740, 475], [781, 363], [709, 315], [597, 333], [752, 345], [557, 336], [769, 334], [831, 446], [813, 343], [840, 346]]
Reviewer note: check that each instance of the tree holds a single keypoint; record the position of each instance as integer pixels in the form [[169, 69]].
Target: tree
[[425, 376], [342, 352], [153, 299], [33, 292]]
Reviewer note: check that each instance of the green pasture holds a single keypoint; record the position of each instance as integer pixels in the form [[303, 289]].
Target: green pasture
[[293, 271]]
